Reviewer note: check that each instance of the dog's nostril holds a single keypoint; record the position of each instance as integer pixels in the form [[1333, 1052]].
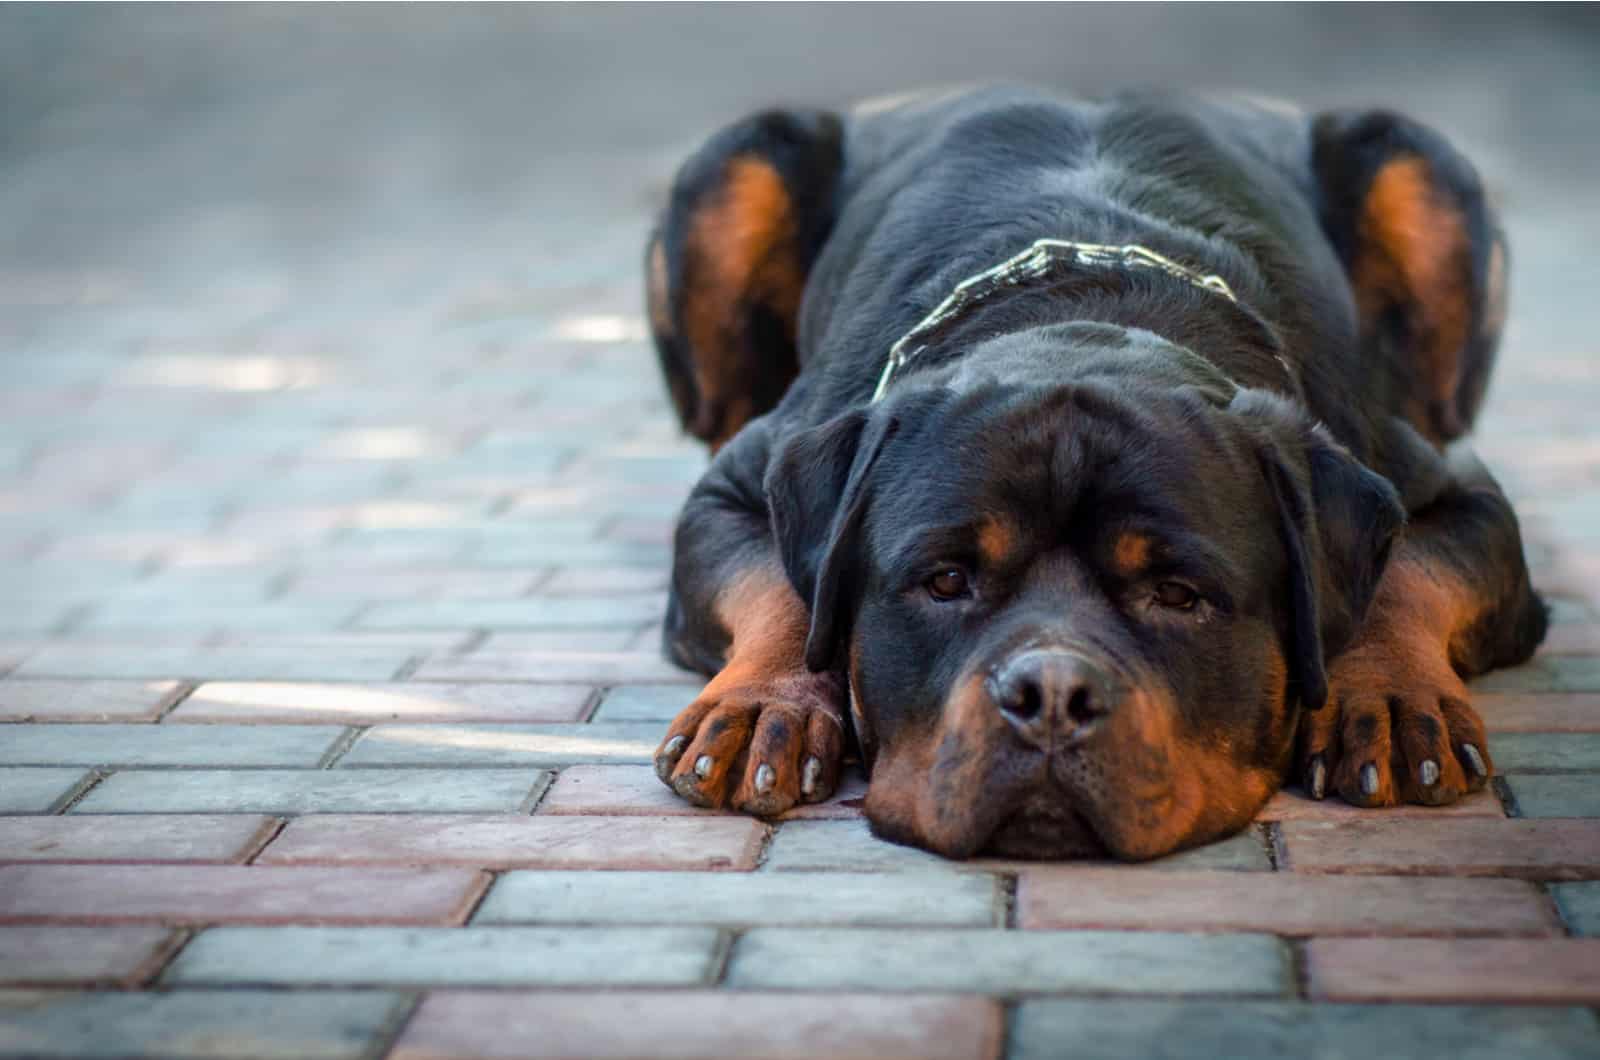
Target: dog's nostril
[[1024, 701], [1080, 706], [1042, 692]]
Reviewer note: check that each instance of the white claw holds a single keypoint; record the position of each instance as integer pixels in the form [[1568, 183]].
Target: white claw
[[810, 776], [702, 766], [764, 778]]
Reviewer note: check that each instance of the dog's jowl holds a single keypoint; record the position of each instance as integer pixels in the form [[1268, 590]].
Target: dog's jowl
[[1088, 469]]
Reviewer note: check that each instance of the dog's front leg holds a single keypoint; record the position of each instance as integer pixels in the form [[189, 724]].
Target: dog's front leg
[[766, 733], [1455, 602]]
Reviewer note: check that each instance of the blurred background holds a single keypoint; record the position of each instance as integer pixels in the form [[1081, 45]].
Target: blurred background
[[290, 289]]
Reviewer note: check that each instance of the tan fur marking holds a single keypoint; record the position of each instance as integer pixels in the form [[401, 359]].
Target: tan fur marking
[[767, 622], [1415, 253], [740, 249], [658, 296], [1131, 553], [997, 539]]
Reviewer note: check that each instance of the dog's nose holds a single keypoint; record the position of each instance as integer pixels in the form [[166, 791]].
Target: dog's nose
[[1050, 696]]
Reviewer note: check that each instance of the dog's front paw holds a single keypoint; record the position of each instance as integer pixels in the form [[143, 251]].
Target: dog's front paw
[[1398, 727], [757, 746]]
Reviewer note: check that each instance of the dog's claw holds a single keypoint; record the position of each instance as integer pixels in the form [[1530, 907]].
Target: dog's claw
[[764, 778], [702, 766], [1369, 780], [1319, 777], [810, 775], [1430, 773], [1475, 759], [667, 757]]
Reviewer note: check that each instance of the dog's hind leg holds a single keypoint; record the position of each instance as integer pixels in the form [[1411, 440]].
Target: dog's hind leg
[[726, 267], [1426, 261]]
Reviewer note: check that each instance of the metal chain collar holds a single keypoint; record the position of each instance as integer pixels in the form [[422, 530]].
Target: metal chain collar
[[1031, 264]]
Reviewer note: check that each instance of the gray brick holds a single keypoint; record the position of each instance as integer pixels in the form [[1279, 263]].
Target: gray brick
[[1547, 673], [504, 745], [730, 898], [600, 668], [472, 956], [295, 791], [572, 612], [1556, 794], [849, 845], [276, 616], [1580, 906], [644, 702], [1105, 1029], [1005, 962], [260, 1025], [166, 745], [24, 790], [1545, 752]]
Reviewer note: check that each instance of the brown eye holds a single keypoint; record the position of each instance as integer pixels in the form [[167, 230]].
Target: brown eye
[[1176, 595], [949, 584]]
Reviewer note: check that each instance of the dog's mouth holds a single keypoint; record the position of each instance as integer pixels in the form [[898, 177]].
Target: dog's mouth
[[1045, 828]]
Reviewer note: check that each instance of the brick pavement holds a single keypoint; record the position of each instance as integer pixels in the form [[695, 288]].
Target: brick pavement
[[328, 676], [356, 732]]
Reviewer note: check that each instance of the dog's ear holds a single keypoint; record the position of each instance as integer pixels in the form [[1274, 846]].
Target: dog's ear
[[1338, 521], [817, 489]]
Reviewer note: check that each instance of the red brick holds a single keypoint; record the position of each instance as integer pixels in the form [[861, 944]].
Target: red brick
[[238, 894], [1534, 849], [186, 838], [289, 703], [1281, 903], [601, 668], [700, 1026], [47, 700], [1534, 712], [1527, 971], [38, 955], [635, 791], [505, 842], [1294, 805]]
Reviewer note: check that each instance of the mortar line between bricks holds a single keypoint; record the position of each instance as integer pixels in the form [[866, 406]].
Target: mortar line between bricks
[[79, 791], [1009, 882], [541, 788], [769, 833], [162, 959], [394, 1024], [1009, 1013], [341, 746], [264, 838], [1277, 849], [474, 641], [183, 691], [591, 703], [412, 664], [1299, 967], [478, 899], [722, 956], [1508, 798]]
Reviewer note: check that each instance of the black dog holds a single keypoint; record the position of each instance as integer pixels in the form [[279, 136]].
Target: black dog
[[1079, 458]]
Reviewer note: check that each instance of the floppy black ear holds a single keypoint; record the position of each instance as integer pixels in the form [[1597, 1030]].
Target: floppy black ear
[[816, 492], [1338, 519]]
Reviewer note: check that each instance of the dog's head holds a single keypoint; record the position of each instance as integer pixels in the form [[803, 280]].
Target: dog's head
[[1077, 617]]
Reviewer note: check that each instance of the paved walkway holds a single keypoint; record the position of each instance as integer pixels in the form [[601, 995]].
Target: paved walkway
[[333, 538]]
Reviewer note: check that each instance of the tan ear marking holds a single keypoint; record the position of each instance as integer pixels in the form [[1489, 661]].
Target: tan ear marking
[[1414, 253]]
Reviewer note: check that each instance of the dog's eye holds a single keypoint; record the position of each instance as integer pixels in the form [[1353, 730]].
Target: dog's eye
[[1176, 595], [951, 583]]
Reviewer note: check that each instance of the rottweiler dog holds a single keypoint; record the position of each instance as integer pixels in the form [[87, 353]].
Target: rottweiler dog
[[1085, 467]]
